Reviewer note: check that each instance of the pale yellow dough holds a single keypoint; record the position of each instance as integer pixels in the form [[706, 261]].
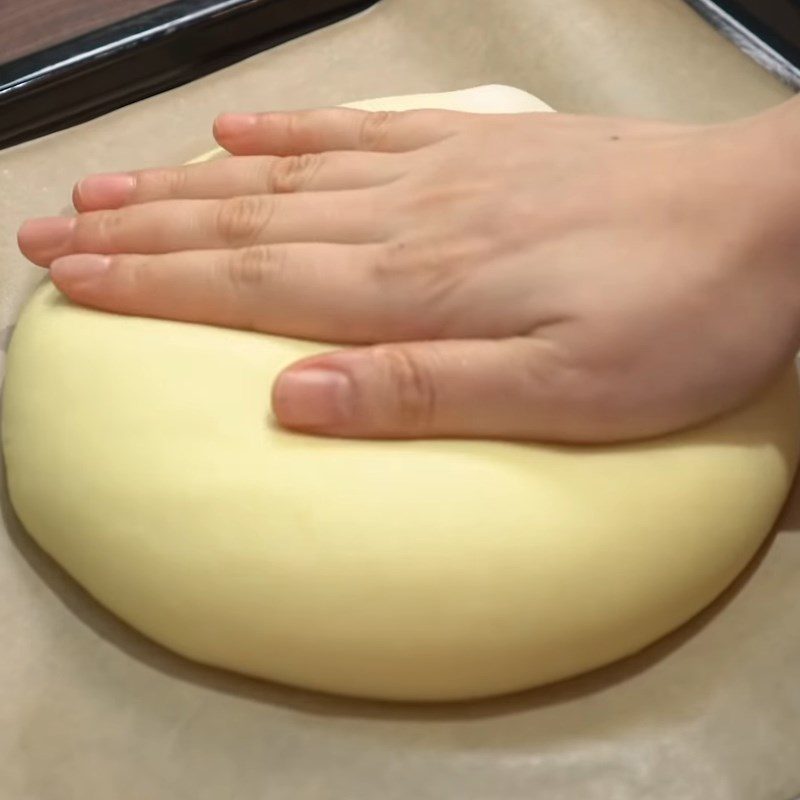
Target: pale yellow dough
[[141, 457]]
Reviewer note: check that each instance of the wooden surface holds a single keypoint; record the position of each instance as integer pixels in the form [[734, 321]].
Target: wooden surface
[[30, 25]]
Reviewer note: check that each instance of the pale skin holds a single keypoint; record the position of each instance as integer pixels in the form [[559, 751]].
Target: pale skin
[[533, 276]]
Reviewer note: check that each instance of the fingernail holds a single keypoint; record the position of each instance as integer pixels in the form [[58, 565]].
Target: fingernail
[[80, 267], [46, 233], [105, 191], [313, 398], [234, 124]]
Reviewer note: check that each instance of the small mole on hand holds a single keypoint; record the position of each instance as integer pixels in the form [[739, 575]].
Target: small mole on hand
[[614, 138]]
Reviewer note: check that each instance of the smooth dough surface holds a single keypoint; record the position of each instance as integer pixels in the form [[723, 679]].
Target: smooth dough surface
[[141, 457]]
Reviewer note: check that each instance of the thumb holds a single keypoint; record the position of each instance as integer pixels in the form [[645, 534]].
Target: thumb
[[466, 388]]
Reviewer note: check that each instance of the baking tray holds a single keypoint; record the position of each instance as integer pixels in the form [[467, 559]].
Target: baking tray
[[91, 710], [767, 30], [145, 54]]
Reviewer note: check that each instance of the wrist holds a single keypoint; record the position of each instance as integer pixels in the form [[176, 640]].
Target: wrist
[[765, 158]]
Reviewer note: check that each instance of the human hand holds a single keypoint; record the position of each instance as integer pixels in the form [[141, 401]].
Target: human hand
[[521, 276]]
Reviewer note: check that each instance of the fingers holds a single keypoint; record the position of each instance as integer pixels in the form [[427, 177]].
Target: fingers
[[316, 291], [309, 151], [510, 388], [230, 177], [295, 133], [172, 225]]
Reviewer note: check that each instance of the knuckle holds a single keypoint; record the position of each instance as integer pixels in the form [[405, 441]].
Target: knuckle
[[175, 181], [292, 124], [392, 262], [134, 275], [240, 220], [551, 373], [428, 276], [292, 173], [447, 196], [162, 182], [425, 261], [374, 129], [581, 384], [247, 269], [441, 269], [411, 386], [99, 230]]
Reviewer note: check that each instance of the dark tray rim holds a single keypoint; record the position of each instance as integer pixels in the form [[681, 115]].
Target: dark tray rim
[[772, 48], [146, 54]]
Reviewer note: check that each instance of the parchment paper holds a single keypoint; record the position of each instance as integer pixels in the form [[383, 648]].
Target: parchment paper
[[92, 711]]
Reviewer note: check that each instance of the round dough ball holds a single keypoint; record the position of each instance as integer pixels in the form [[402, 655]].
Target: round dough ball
[[141, 457]]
